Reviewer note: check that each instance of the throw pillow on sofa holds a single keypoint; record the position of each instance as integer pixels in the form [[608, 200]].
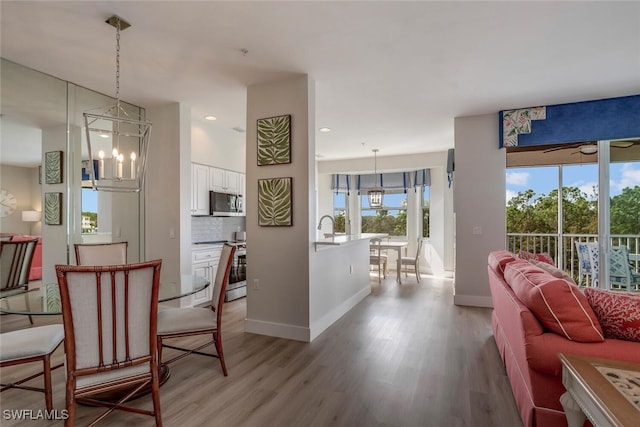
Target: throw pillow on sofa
[[558, 304], [553, 270], [543, 257], [618, 312]]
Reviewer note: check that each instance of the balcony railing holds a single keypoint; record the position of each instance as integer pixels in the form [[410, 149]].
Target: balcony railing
[[566, 256]]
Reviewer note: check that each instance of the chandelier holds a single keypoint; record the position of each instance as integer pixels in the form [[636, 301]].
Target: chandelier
[[117, 139], [375, 194]]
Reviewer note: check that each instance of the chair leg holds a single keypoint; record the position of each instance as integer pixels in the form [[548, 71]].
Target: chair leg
[[155, 394], [417, 273], [218, 343], [71, 405], [48, 393]]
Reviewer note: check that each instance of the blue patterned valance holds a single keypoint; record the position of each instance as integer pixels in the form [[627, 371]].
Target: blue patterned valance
[[612, 118], [392, 182]]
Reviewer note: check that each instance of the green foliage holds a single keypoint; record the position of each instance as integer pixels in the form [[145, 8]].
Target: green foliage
[[340, 220], [527, 213]]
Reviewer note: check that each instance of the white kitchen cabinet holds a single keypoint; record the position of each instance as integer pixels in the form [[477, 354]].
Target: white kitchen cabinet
[[199, 189], [224, 181], [204, 263]]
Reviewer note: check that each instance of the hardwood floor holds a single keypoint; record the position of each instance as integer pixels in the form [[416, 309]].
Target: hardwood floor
[[405, 356]]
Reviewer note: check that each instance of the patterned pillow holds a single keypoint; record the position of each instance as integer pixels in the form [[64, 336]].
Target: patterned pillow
[[618, 312], [558, 304], [543, 257]]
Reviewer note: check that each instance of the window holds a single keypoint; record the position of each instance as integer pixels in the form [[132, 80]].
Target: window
[[340, 212], [425, 212], [89, 211], [392, 219]]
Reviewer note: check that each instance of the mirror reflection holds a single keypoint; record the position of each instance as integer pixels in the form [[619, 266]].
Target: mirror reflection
[[41, 114]]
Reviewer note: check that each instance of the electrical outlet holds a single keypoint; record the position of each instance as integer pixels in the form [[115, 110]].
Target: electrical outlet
[[256, 284]]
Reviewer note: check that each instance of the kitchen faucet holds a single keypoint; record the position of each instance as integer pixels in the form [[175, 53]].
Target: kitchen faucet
[[333, 224]]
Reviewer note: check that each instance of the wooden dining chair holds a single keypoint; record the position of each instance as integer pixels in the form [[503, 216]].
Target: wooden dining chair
[[413, 262], [110, 324], [185, 322], [15, 265], [101, 253], [378, 258], [27, 346]]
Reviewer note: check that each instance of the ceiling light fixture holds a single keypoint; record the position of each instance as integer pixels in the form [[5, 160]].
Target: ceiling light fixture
[[325, 130], [210, 118], [130, 135], [375, 194], [589, 149]]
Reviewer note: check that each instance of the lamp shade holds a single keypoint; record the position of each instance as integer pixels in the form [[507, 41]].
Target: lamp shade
[[31, 216]]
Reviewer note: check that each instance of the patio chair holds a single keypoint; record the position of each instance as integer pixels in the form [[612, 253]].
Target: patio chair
[[621, 274], [584, 263]]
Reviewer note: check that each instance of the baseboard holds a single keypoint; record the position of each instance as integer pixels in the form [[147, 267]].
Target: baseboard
[[331, 317], [473, 301], [280, 330]]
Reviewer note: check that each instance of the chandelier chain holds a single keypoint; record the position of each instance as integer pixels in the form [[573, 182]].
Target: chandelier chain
[[118, 63]]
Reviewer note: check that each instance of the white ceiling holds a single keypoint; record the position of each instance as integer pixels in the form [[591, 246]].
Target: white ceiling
[[389, 75]]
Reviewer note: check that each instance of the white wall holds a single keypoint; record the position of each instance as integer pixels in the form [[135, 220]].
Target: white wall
[[168, 191], [479, 198], [22, 182], [216, 146]]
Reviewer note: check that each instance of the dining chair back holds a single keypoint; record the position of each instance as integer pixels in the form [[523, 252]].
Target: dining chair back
[[413, 262], [31, 345], [110, 323], [192, 321], [378, 257], [15, 264], [101, 253]]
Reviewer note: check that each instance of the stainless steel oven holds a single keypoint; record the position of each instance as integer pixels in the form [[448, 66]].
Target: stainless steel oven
[[237, 286]]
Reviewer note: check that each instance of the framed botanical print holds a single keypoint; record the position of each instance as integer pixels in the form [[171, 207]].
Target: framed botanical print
[[275, 202], [53, 167], [274, 140], [53, 208]]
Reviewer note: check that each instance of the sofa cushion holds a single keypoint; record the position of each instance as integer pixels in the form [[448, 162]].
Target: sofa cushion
[[618, 312], [543, 257], [553, 270], [559, 305], [499, 259]]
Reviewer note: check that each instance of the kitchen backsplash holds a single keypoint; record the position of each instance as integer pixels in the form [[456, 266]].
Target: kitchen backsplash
[[208, 228]]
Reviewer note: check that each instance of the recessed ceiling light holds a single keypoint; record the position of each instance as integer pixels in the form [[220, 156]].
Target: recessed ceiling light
[[210, 118], [325, 129], [103, 135]]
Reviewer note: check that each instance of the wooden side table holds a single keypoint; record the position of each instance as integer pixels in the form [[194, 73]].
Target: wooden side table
[[606, 402]]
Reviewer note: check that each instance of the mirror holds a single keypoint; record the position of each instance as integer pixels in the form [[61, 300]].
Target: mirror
[[41, 114]]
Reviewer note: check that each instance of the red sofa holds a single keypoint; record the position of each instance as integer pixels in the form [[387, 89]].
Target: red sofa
[[530, 350], [36, 264]]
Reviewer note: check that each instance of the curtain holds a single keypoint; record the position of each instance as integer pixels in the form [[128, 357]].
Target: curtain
[[391, 182]]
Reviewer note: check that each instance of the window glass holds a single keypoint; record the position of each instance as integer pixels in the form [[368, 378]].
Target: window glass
[[340, 211], [425, 212], [391, 219]]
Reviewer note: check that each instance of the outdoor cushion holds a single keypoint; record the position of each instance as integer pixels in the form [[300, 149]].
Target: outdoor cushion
[[559, 305], [618, 312]]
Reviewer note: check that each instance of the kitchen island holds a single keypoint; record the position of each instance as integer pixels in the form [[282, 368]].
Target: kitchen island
[[346, 239]]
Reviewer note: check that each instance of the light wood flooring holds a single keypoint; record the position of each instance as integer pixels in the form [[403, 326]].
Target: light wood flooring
[[404, 356]]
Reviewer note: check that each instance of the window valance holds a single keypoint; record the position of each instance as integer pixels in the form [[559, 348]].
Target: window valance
[[391, 182]]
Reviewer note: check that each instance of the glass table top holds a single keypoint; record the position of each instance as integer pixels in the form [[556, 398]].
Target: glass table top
[[45, 300]]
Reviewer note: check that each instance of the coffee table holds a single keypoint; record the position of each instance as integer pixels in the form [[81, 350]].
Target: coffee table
[[605, 391]]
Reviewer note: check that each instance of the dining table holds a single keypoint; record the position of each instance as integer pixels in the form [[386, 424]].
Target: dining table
[[45, 299], [397, 246]]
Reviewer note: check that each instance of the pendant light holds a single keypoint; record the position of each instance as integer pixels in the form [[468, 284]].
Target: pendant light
[[376, 194], [117, 139]]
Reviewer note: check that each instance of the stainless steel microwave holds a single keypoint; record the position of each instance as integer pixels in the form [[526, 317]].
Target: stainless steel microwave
[[224, 204]]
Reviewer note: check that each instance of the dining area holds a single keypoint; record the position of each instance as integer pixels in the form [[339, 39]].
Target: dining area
[[104, 336], [384, 250]]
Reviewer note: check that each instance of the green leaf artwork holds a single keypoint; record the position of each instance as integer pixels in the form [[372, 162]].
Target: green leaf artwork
[[274, 140], [275, 207], [53, 167], [52, 298], [53, 208]]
